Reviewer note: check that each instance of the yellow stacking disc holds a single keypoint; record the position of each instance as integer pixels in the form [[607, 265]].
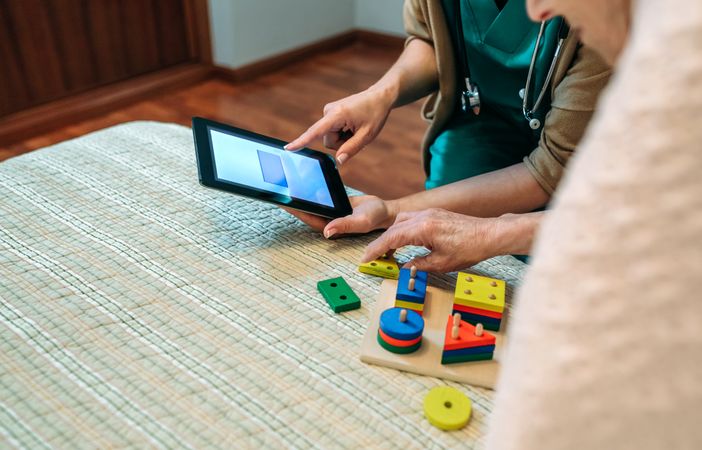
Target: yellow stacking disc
[[447, 408]]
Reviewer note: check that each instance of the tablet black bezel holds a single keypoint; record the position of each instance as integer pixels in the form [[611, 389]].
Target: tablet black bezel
[[206, 172]]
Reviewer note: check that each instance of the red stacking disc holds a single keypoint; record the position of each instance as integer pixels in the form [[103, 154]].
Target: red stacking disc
[[398, 342]]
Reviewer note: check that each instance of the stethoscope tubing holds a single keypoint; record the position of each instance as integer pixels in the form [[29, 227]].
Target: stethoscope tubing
[[471, 91], [529, 112]]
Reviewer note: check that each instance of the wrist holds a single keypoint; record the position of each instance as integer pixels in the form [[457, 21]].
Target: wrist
[[513, 234], [392, 208], [386, 91]]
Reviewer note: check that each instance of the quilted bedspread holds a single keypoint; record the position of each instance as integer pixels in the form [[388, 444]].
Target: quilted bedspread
[[139, 309]]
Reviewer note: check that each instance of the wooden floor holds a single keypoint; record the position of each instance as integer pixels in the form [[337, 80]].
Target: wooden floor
[[283, 104]]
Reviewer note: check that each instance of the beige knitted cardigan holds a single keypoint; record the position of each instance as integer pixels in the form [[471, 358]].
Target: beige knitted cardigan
[[606, 341]]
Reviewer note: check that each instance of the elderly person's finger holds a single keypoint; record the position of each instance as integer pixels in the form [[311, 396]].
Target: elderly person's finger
[[440, 262], [395, 237], [433, 262]]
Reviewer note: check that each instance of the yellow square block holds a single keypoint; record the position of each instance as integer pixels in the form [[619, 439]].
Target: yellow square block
[[382, 267], [480, 292], [409, 305]]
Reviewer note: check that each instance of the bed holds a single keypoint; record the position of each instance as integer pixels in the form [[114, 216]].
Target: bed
[[139, 309]]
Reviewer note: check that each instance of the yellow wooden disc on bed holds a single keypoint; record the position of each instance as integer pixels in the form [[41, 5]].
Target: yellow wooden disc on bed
[[447, 408]]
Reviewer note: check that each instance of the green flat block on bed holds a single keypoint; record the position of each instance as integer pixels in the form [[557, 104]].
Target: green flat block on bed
[[339, 295], [466, 358]]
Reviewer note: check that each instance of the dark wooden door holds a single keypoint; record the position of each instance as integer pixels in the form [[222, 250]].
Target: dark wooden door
[[50, 49]]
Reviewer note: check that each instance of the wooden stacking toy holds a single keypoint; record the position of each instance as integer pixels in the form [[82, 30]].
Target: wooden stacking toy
[[400, 330], [465, 342], [384, 267], [480, 300], [411, 290]]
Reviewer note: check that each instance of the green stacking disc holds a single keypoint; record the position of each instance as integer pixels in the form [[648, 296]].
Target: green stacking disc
[[400, 350]]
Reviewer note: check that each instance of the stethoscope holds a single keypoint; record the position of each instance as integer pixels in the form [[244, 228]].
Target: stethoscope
[[470, 95]]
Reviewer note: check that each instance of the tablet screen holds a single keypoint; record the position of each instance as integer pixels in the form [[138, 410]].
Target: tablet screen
[[268, 168]]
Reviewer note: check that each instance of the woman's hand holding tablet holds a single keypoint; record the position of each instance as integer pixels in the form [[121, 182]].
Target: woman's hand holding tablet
[[370, 213], [256, 166]]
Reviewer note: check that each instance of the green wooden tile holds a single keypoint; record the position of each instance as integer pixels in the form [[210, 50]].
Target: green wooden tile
[[339, 295]]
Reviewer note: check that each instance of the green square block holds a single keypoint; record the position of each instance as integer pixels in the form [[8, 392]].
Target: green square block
[[339, 295], [466, 358]]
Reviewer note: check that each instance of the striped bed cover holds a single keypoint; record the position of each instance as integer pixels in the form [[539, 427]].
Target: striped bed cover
[[138, 309]]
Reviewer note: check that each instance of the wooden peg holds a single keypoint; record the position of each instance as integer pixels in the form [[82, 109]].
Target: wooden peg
[[479, 329], [468, 292], [492, 297], [493, 283], [454, 332], [403, 315], [413, 271], [469, 279], [410, 284], [457, 320]]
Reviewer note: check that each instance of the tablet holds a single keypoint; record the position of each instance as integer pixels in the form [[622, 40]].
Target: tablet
[[255, 166]]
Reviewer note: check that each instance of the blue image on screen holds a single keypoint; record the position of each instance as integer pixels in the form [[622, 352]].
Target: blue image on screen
[[272, 168], [268, 168]]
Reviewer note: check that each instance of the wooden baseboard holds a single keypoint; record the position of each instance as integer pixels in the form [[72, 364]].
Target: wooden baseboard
[[378, 39], [59, 113], [280, 61]]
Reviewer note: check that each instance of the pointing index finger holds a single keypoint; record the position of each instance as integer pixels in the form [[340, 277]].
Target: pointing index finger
[[316, 131], [395, 237]]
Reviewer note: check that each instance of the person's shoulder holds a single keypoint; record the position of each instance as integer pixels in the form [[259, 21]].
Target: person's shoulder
[[590, 60], [577, 57], [581, 74], [418, 18]]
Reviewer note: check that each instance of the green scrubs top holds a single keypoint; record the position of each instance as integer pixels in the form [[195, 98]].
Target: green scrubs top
[[499, 46]]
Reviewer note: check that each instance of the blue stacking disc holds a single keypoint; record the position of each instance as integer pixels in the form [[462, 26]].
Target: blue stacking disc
[[470, 351], [410, 329]]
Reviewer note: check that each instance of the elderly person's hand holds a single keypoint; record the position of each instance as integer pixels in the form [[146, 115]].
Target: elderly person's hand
[[456, 241], [369, 213]]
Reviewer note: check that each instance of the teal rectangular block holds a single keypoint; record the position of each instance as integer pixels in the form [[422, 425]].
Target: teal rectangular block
[[339, 295], [466, 358]]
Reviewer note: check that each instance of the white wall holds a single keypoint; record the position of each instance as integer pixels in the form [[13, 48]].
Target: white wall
[[245, 31], [384, 16]]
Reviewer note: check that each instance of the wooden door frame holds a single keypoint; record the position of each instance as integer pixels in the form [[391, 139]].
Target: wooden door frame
[[197, 21]]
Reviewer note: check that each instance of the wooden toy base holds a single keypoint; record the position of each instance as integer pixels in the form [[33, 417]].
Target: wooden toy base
[[427, 360]]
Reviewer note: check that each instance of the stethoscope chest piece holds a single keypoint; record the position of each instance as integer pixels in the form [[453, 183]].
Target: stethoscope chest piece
[[534, 124], [470, 97]]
